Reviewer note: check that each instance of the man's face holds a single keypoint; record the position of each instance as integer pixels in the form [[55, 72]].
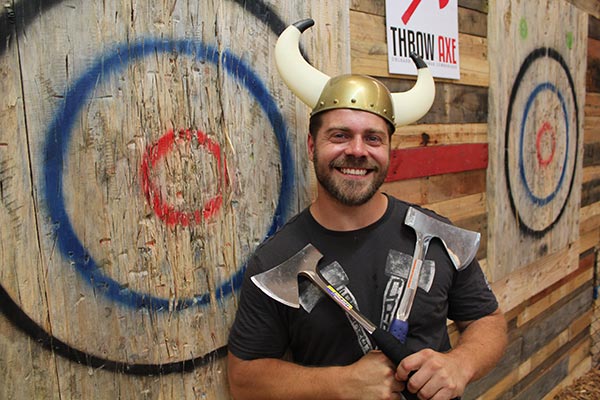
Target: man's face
[[351, 153]]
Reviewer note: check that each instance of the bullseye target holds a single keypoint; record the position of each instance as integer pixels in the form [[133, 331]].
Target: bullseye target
[[160, 161], [139, 286], [541, 142]]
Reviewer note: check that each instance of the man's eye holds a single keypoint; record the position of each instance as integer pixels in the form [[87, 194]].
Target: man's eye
[[374, 139]]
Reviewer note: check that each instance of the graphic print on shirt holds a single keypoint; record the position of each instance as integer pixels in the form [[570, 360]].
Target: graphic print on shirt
[[397, 267], [336, 276]]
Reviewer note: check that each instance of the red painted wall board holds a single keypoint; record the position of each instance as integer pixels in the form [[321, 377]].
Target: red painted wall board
[[418, 162]]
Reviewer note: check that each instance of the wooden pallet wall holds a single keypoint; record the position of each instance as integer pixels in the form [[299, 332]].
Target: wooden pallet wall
[[66, 334]]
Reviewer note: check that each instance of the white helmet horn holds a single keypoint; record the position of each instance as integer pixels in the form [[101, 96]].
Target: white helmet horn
[[303, 79], [412, 105]]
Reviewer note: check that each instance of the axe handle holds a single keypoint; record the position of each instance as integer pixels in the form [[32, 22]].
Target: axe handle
[[389, 345], [396, 352], [399, 326]]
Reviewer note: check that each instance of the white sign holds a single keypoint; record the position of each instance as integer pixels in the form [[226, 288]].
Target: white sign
[[428, 28]]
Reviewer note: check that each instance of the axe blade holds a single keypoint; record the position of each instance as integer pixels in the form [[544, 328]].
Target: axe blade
[[281, 282], [460, 244]]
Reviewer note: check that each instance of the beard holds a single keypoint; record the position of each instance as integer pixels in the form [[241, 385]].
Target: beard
[[349, 192]]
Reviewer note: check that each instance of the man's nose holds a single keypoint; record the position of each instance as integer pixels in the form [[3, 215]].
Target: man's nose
[[357, 147]]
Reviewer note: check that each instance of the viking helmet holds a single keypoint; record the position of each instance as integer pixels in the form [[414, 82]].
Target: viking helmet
[[360, 92]]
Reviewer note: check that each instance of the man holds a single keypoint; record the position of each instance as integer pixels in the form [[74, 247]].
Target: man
[[317, 351]]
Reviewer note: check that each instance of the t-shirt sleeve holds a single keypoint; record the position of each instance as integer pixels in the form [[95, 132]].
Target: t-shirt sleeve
[[259, 329], [471, 296]]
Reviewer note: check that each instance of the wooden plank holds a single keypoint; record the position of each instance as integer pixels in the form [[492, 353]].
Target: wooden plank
[[591, 133], [588, 240], [591, 154], [472, 22], [552, 366], [479, 5], [542, 383], [591, 7], [437, 188], [589, 218], [593, 28], [24, 360], [590, 192], [578, 371], [592, 104], [438, 134], [453, 103], [558, 321], [535, 277], [376, 7], [593, 66], [514, 371], [591, 173], [460, 208], [369, 51], [555, 293], [418, 162]]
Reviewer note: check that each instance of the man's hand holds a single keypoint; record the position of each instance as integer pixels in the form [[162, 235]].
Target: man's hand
[[373, 377], [370, 378], [443, 376], [438, 376]]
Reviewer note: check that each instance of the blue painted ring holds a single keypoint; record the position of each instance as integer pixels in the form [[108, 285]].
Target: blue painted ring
[[542, 201], [59, 134]]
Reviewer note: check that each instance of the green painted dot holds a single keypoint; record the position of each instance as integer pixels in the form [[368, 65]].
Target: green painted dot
[[570, 40], [523, 28]]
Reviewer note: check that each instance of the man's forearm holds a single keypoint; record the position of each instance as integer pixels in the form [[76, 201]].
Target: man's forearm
[[269, 378], [481, 344], [371, 377]]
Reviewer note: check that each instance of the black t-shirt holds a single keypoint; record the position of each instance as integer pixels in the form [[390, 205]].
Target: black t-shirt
[[369, 267]]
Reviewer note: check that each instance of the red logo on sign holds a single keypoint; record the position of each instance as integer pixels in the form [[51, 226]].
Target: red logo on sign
[[413, 6]]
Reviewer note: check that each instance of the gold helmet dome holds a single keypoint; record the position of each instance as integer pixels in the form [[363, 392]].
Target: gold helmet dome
[[360, 92]]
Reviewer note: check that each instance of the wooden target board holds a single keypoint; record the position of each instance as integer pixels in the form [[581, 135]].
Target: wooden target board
[[537, 56], [146, 151]]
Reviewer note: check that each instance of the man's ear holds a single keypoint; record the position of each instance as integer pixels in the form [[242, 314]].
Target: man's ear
[[310, 145]]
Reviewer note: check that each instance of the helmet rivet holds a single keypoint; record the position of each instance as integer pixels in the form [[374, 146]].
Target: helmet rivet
[[353, 101], [335, 101]]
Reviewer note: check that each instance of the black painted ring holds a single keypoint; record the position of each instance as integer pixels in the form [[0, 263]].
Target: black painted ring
[[541, 52]]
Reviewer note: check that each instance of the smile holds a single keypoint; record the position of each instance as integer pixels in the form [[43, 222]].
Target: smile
[[354, 171]]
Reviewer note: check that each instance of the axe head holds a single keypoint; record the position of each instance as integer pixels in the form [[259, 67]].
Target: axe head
[[281, 282], [461, 244]]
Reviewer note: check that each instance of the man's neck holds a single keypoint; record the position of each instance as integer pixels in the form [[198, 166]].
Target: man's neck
[[333, 215]]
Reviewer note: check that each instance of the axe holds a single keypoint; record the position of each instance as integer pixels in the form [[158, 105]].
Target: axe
[[281, 284], [460, 244]]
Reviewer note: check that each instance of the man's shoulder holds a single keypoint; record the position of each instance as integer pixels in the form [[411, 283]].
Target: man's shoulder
[[287, 241]]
